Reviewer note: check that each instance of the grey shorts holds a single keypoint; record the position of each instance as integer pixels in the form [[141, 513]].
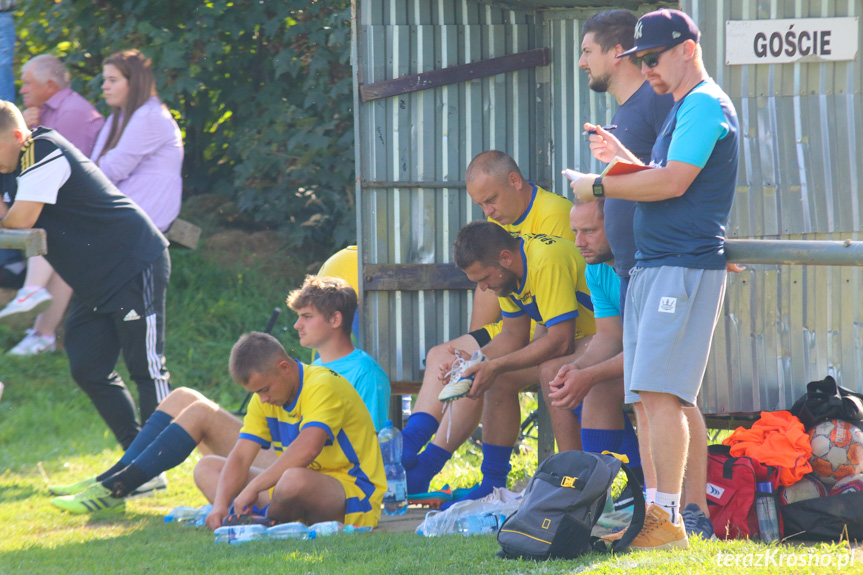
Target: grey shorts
[[671, 313]]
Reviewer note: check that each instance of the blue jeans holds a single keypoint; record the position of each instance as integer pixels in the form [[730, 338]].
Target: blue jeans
[[7, 52]]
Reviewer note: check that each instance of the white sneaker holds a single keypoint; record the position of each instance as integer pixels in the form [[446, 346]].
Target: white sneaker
[[149, 488], [459, 386], [28, 299], [35, 343]]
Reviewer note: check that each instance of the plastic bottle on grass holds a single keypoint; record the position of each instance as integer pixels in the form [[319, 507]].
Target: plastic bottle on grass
[[183, 515], [765, 510], [294, 530], [189, 516], [396, 497], [483, 524], [201, 518], [325, 528], [236, 534]]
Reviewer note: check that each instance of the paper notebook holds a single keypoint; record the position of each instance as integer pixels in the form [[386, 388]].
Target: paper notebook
[[619, 167]]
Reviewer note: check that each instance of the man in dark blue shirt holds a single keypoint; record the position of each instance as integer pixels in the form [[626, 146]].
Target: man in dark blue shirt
[[639, 118], [676, 289]]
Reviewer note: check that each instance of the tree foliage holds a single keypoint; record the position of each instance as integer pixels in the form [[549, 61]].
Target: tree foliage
[[261, 89]]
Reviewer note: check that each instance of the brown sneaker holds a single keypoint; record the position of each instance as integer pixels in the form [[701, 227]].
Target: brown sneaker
[[659, 532]]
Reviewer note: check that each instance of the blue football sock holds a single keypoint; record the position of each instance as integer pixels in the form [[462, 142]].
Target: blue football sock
[[495, 469], [599, 440], [429, 463], [420, 428], [170, 449], [151, 430]]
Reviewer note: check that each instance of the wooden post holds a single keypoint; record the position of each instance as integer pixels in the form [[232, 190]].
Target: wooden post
[[32, 242]]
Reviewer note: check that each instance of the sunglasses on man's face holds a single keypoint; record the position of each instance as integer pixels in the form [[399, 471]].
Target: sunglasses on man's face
[[651, 60]]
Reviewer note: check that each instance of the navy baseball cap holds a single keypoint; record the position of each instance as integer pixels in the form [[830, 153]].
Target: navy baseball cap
[[663, 28]]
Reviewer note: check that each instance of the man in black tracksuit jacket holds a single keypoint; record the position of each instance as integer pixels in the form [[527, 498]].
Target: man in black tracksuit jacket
[[105, 247]]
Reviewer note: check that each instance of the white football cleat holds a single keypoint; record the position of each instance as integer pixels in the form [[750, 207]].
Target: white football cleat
[[459, 386]]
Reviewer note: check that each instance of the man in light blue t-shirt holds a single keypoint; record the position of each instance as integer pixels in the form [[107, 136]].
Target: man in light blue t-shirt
[[676, 289], [325, 308], [596, 394]]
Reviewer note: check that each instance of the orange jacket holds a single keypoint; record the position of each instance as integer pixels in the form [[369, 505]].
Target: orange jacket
[[777, 439]]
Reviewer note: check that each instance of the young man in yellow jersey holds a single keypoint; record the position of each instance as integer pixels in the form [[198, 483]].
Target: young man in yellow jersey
[[325, 463], [494, 183], [537, 278], [329, 465]]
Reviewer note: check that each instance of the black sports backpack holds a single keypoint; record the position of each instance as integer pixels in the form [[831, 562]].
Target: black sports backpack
[[825, 400], [562, 504]]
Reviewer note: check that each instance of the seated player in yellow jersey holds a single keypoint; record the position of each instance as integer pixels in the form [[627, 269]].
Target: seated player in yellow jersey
[[329, 466], [494, 183], [186, 419], [535, 277]]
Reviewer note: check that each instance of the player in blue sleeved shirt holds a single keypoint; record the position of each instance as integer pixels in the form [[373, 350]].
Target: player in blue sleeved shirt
[[324, 306], [596, 395]]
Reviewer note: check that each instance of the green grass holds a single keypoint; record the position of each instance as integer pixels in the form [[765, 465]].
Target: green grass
[[45, 419]]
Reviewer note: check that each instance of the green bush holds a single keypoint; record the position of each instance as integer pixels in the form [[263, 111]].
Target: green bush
[[261, 90]]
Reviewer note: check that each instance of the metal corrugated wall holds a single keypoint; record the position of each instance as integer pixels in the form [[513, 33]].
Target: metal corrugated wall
[[800, 167], [799, 178], [414, 148]]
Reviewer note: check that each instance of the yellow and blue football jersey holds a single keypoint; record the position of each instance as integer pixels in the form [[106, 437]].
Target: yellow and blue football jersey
[[351, 454], [553, 288]]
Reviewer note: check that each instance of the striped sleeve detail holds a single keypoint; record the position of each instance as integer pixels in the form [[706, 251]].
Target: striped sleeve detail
[[29, 162]]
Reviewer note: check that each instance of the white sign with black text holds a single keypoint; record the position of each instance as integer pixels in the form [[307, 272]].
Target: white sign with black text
[[789, 41]]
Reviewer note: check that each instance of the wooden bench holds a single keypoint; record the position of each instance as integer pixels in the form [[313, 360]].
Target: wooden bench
[[418, 277], [32, 242]]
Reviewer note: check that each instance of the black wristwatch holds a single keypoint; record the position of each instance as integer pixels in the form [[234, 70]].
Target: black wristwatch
[[598, 190]]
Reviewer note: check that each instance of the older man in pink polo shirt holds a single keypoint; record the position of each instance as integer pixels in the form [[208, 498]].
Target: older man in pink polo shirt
[[50, 102]]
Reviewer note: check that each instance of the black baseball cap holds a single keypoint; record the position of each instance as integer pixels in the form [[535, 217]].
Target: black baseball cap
[[663, 28]]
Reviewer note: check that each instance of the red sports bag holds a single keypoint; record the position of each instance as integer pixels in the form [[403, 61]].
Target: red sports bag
[[731, 485]]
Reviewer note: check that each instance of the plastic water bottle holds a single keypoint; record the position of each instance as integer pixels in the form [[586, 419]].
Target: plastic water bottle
[[183, 515], [765, 510], [357, 528], [236, 534], [201, 518], [294, 530], [326, 528], [396, 497], [190, 516], [482, 524]]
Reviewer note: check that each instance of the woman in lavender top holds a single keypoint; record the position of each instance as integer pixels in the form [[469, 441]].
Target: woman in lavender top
[[140, 148]]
